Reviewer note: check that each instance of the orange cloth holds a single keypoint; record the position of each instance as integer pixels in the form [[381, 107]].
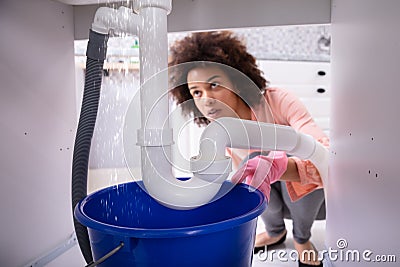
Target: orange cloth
[[285, 108]]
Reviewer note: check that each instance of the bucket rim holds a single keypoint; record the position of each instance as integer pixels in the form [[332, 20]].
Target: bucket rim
[[139, 232]]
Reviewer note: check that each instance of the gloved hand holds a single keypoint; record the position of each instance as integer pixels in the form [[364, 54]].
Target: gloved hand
[[261, 171]]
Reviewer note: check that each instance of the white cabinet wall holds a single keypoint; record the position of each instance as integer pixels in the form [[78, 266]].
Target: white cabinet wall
[[310, 81], [38, 124]]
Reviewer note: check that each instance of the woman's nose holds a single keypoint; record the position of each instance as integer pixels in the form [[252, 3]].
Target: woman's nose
[[210, 101], [208, 98]]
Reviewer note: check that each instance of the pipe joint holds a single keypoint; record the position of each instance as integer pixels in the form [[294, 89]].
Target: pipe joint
[[305, 146], [163, 4], [123, 20], [201, 167], [155, 137], [97, 46]]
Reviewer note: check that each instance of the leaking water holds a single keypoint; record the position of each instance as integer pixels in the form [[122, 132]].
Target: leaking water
[[120, 82]]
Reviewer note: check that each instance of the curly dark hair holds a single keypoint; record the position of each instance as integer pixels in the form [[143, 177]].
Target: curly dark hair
[[205, 48]]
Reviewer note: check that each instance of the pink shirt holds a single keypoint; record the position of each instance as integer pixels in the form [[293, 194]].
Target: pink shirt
[[286, 109]]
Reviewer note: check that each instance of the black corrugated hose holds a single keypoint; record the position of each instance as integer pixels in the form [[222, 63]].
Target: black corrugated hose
[[96, 54]]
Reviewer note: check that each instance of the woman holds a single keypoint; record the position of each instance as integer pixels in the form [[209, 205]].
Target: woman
[[208, 91]]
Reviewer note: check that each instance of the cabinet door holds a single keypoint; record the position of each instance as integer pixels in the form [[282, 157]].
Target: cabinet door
[[310, 81]]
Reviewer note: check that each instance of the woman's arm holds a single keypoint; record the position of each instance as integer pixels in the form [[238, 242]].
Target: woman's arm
[[291, 111], [291, 174]]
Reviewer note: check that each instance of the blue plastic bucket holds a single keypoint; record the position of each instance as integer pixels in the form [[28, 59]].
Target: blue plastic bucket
[[220, 233]]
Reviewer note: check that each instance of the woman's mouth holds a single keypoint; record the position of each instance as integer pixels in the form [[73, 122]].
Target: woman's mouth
[[213, 113]]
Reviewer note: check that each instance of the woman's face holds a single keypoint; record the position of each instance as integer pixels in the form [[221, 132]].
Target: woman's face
[[213, 94]]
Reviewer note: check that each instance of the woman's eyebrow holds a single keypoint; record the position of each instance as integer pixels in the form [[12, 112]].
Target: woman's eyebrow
[[212, 78], [207, 81]]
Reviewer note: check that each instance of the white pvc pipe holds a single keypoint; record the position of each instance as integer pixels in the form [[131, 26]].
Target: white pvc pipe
[[165, 188], [155, 136], [153, 53], [236, 133], [211, 167]]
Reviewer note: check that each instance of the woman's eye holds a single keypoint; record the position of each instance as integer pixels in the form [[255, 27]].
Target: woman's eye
[[214, 85], [196, 93]]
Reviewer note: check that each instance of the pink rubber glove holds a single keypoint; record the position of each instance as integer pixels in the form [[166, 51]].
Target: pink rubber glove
[[261, 171]]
